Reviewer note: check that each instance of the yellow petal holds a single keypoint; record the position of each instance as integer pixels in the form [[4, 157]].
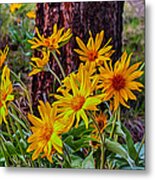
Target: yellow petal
[[34, 71], [36, 153], [34, 120], [84, 117], [81, 44], [91, 101]]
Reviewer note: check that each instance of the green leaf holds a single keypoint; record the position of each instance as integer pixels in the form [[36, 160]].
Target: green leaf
[[23, 144], [119, 150], [80, 131], [88, 162], [2, 158], [76, 145], [10, 148], [130, 144], [142, 150], [117, 130], [76, 161], [15, 117]]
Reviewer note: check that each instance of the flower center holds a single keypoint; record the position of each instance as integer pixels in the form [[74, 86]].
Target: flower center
[[101, 124], [118, 82], [47, 131], [92, 55], [77, 103], [47, 42], [3, 97]]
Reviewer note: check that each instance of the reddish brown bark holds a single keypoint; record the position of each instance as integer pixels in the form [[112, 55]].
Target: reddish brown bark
[[80, 17]]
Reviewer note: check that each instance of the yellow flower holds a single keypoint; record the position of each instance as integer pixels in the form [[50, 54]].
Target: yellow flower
[[31, 14], [57, 39], [5, 93], [39, 63], [66, 86], [76, 101], [46, 130], [15, 6], [101, 120], [120, 81], [3, 55], [93, 53]]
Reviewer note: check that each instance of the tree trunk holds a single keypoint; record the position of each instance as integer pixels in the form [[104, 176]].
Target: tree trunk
[[80, 17]]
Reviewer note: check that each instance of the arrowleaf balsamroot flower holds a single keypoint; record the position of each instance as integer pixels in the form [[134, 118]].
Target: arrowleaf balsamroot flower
[[93, 53], [3, 55], [5, 93], [46, 130], [39, 63], [57, 39], [66, 86], [31, 14], [120, 81], [74, 102], [15, 6], [101, 120]]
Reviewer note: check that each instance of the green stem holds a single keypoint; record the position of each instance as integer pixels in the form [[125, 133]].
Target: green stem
[[25, 90], [13, 105], [9, 132], [119, 114], [4, 150], [17, 119], [53, 73], [102, 142], [59, 64], [113, 125], [67, 153], [119, 119], [20, 129], [17, 139], [140, 147]]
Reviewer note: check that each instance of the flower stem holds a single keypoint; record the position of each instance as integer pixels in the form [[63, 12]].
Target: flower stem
[[119, 120], [9, 132], [4, 150], [13, 105], [102, 142], [113, 125], [53, 73], [59, 64], [140, 147], [17, 139], [25, 90]]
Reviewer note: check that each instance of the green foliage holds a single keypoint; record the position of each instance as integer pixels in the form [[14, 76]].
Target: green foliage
[[115, 147], [16, 29]]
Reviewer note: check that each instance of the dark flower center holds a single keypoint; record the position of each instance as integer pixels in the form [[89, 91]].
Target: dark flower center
[[77, 103], [118, 82], [92, 55]]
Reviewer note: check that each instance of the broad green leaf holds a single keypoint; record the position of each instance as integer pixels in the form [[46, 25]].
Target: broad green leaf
[[76, 161], [120, 150], [130, 144], [88, 162]]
